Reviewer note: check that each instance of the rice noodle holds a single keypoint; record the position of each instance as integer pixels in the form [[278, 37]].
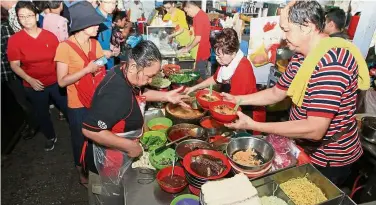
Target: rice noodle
[[303, 192], [272, 200]]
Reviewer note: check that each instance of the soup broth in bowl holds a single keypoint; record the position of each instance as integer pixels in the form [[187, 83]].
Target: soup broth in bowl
[[223, 111], [204, 98]]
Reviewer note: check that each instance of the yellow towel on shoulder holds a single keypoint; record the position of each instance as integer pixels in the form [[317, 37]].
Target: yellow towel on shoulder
[[300, 82]]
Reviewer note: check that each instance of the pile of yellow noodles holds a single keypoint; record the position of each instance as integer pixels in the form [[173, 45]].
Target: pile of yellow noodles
[[303, 192]]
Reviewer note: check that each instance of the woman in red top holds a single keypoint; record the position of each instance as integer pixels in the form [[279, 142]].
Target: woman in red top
[[235, 73], [31, 53]]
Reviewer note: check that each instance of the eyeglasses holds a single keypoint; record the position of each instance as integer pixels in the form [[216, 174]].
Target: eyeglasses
[[110, 2], [26, 17]]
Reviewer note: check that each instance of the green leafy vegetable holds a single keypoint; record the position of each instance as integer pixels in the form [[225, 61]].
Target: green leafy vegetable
[[184, 77], [153, 140], [160, 82]]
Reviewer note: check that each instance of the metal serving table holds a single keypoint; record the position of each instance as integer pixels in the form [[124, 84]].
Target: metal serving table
[[138, 193]]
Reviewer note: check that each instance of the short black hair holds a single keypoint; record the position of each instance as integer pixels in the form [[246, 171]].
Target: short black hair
[[338, 16], [145, 53], [304, 12], [26, 5], [54, 4], [169, 2], [194, 3], [119, 15]]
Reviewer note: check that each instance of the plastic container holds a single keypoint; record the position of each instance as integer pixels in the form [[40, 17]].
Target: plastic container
[[148, 134], [221, 117], [178, 171], [160, 124], [204, 103], [156, 160]]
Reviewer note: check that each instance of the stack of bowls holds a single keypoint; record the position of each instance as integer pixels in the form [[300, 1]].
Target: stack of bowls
[[195, 181], [261, 146]]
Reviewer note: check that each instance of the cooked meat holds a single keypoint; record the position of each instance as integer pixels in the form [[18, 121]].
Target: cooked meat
[[207, 166]]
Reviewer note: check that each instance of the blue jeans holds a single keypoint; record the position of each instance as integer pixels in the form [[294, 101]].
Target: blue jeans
[[76, 116], [40, 102]]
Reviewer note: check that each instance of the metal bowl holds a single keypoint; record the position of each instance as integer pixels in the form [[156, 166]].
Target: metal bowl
[[190, 141], [183, 119], [197, 131], [261, 146]]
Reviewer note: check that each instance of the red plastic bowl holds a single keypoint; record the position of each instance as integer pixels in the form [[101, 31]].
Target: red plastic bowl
[[179, 171], [170, 69], [216, 154], [221, 117], [205, 104]]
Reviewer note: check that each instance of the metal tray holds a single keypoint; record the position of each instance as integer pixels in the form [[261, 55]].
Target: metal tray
[[272, 189], [334, 195], [293, 164], [348, 201], [153, 113]]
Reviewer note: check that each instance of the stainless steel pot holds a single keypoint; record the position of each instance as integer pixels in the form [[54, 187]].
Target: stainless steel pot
[[369, 129], [182, 119]]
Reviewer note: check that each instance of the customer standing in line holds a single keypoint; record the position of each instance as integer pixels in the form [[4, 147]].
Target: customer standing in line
[[14, 84], [105, 9], [54, 22], [37, 69], [74, 59], [201, 25]]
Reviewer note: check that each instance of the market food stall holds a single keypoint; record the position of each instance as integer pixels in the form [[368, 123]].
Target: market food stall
[[214, 154]]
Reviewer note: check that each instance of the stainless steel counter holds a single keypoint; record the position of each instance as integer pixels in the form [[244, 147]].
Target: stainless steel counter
[[145, 194]]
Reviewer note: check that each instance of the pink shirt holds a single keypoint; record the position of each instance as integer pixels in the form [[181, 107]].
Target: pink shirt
[[57, 25]]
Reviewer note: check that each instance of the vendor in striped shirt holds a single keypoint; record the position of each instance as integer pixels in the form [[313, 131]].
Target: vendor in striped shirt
[[328, 106]]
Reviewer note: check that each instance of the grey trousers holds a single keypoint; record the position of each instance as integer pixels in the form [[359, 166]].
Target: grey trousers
[[203, 68]]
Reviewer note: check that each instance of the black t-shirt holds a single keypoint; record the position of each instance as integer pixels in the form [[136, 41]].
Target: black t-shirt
[[114, 107]]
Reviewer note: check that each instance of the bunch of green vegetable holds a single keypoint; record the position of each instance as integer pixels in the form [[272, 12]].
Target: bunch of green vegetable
[[184, 77], [153, 140], [159, 82]]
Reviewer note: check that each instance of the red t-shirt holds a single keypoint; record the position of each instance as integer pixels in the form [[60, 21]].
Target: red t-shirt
[[35, 54], [201, 25], [243, 82]]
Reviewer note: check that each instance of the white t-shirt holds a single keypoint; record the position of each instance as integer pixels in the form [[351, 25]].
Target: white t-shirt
[[136, 11]]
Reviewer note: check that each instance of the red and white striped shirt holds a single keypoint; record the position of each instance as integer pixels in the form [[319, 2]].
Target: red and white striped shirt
[[331, 93]]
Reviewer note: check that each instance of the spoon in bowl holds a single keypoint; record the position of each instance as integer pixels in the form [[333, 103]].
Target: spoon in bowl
[[237, 105]]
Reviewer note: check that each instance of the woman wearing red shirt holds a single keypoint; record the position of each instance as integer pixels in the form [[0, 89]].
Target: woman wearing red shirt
[[235, 73], [201, 25], [31, 53]]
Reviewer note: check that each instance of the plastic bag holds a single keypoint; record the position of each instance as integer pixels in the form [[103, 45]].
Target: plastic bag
[[283, 154]]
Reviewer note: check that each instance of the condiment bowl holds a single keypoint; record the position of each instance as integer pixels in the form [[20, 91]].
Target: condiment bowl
[[178, 148], [261, 146], [147, 135], [158, 122], [166, 172]]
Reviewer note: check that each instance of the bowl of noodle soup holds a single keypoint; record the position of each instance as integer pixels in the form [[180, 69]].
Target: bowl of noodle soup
[[223, 111], [204, 98]]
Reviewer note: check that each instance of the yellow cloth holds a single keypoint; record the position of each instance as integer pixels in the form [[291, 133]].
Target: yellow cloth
[[300, 82], [194, 50], [179, 19]]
